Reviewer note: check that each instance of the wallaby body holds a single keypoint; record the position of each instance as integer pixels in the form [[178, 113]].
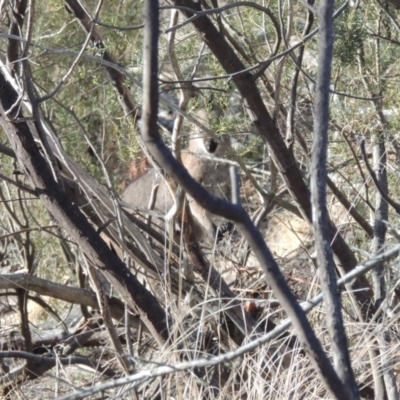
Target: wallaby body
[[212, 175]]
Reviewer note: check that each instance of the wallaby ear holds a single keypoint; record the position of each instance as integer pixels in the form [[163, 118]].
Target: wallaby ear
[[210, 145], [202, 116]]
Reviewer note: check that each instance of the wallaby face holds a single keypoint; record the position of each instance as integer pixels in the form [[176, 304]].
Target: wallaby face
[[212, 175]]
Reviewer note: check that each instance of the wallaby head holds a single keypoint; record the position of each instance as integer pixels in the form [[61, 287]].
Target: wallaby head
[[198, 160], [200, 142]]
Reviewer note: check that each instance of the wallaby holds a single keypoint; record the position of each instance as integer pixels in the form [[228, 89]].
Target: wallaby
[[212, 175]]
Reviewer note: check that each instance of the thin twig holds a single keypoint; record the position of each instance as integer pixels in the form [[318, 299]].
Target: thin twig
[[239, 352]]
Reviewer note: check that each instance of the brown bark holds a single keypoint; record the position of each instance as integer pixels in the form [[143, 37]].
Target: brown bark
[[283, 158], [73, 221], [235, 212]]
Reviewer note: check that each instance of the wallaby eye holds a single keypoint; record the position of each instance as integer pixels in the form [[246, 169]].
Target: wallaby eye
[[211, 145]]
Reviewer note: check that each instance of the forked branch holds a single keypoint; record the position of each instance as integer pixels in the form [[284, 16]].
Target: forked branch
[[234, 212]]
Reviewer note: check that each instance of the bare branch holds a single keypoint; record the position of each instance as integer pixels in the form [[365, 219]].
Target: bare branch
[[164, 370], [41, 364], [381, 190], [220, 207], [66, 293], [325, 261], [65, 78], [71, 219], [282, 157]]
